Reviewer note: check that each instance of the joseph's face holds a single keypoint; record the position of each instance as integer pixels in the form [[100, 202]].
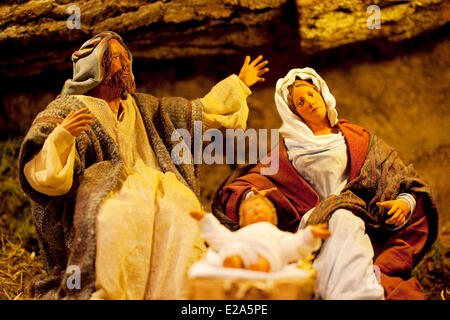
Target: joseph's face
[[309, 104], [119, 57], [118, 68]]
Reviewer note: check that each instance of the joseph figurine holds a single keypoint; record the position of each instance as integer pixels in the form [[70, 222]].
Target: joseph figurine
[[110, 207]]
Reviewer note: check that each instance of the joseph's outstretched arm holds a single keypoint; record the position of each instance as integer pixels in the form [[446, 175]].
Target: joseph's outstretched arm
[[224, 106]]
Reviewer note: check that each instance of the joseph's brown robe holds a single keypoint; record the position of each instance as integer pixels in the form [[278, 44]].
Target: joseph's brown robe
[[396, 252]]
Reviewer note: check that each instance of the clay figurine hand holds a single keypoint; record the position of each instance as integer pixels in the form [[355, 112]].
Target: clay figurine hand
[[77, 122], [262, 265], [320, 231], [198, 215], [263, 192], [235, 261], [251, 72], [399, 209]]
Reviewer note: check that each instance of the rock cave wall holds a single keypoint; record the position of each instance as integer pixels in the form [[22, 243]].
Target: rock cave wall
[[393, 80]]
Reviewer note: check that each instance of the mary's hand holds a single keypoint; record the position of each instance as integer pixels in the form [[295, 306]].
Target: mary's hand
[[399, 209], [252, 71]]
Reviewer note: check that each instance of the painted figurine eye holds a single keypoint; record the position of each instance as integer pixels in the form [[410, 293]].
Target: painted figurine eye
[[311, 94], [301, 102]]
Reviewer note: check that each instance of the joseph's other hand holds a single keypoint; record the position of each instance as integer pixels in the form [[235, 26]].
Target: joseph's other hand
[[77, 122]]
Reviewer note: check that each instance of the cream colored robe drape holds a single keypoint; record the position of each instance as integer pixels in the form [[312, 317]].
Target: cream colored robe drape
[[146, 239]]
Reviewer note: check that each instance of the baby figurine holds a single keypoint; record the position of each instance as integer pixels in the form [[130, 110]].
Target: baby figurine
[[259, 245]]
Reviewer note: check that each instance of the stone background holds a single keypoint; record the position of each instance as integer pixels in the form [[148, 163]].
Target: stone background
[[394, 80]]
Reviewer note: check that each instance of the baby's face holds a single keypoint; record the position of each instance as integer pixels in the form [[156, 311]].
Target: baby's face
[[256, 210]]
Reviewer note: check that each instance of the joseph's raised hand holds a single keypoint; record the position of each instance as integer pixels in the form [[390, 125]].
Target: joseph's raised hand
[[77, 122], [252, 71]]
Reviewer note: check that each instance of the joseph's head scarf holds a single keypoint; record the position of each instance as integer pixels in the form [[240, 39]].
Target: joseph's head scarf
[[88, 64]]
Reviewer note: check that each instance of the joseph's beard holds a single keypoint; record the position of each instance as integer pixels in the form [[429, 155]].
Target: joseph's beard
[[121, 80]]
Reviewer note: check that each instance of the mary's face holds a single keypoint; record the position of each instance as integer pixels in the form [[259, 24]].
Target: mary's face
[[309, 104]]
